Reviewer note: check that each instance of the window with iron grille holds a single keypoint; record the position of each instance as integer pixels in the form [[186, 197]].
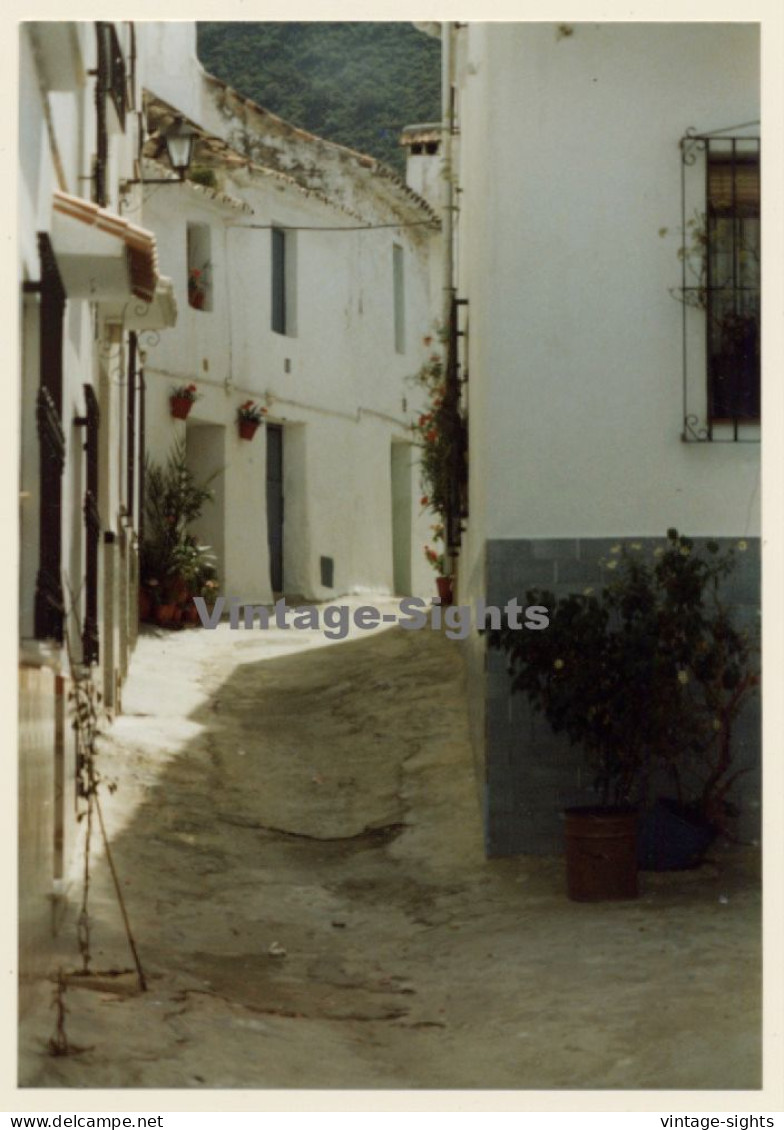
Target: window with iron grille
[[111, 84], [111, 69], [720, 290], [733, 282]]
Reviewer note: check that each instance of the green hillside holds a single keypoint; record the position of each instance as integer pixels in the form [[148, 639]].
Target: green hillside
[[354, 83]]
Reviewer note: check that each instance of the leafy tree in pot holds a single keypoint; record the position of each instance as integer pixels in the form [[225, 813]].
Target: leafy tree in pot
[[650, 673]]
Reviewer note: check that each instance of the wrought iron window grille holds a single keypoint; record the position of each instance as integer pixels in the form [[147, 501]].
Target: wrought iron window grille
[[112, 83], [720, 284], [112, 73]]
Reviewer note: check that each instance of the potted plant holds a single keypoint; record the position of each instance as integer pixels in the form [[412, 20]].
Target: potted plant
[[716, 676], [173, 564], [441, 436], [584, 674], [647, 677], [438, 562], [191, 565], [197, 287], [209, 593], [182, 400], [249, 418]]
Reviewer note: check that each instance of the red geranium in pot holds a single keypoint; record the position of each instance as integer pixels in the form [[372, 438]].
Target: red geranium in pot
[[182, 400], [249, 417]]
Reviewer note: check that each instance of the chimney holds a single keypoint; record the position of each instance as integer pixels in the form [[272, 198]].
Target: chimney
[[423, 165]]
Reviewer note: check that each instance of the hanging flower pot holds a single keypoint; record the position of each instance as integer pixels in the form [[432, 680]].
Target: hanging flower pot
[[182, 400], [180, 407], [249, 416]]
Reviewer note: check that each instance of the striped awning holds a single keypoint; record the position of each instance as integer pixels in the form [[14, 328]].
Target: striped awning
[[101, 255]]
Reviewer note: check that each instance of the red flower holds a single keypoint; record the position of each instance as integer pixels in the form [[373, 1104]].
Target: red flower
[[431, 436], [424, 500]]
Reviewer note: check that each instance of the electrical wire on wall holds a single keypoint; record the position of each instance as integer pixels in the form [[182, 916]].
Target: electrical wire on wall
[[352, 228]]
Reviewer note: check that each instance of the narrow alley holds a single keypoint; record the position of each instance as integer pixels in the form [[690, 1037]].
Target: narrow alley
[[297, 833]]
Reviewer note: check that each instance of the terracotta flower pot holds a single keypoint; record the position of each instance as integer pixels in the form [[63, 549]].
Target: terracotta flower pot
[[248, 429], [177, 591], [180, 406], [191, 614], [601, 853], [164, 615], [196, 299], [444, 589]]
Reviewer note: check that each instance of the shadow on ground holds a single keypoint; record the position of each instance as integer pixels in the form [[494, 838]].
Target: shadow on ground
[[307, 885]]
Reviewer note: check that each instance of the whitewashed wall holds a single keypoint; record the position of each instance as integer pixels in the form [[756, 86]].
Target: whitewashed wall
[[336, 383], [569, 232], [57, 141]]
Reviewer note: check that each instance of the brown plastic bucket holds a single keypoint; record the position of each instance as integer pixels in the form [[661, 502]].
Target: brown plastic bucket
[[601, 853]]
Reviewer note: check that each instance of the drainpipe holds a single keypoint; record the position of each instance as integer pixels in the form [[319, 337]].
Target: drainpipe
[[447, 102]]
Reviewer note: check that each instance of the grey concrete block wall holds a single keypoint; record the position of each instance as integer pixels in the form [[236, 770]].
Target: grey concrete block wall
[[528, 775]]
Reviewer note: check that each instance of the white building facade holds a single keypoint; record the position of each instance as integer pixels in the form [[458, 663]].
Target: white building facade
[[89, 288], [602, 406], [317, 263]]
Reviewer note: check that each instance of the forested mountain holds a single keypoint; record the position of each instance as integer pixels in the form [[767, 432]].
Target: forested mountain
[[354, 83]]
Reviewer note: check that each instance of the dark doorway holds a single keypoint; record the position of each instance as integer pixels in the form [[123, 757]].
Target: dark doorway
[[275, 504]]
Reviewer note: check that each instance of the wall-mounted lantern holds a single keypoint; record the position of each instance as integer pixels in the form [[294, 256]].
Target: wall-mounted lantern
[[179, 138]]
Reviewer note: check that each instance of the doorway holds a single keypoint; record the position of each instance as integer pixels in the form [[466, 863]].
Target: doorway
[[275, 504], [401, 468], [205, 456]]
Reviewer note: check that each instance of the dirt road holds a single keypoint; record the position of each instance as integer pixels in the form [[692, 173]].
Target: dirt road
[[297, 831]]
